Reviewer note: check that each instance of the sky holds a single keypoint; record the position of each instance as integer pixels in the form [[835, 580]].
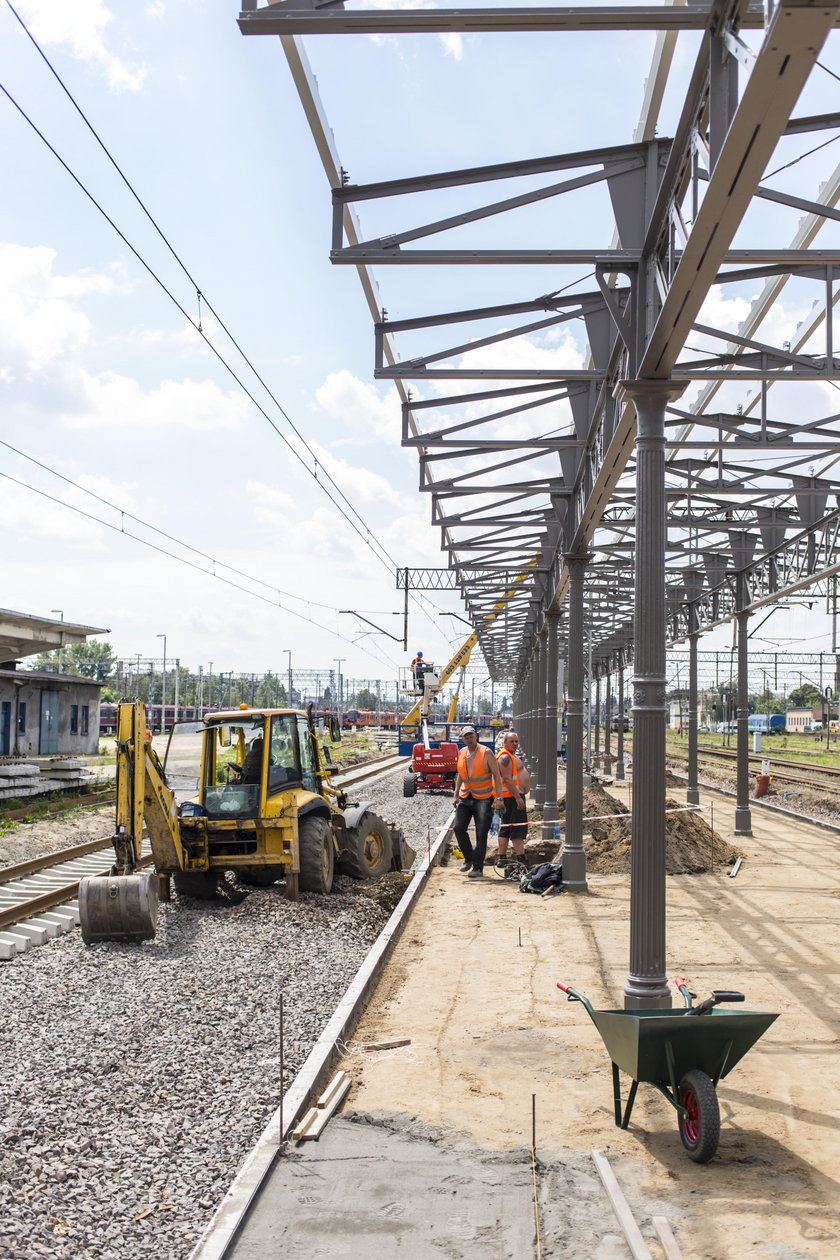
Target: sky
[[115, 406]]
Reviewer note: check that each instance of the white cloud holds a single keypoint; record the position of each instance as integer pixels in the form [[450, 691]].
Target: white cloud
[[453, 45], [81, 27], [38, 520], [271, 506], [37, 324], [109, 400], [370, 416]]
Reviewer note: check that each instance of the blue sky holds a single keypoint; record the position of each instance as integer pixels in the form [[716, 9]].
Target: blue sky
[[104, 382]]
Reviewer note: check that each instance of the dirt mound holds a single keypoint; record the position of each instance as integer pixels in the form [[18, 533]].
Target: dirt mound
[[387, 890], [690, 844]]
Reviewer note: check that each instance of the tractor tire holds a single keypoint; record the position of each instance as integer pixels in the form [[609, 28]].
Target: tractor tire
[[199, 884], [700, 1133], [410, 785], [259, 876], [317, 855], [369, 849]]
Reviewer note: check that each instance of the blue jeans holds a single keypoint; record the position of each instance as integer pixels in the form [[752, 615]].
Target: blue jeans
[[469, 807]]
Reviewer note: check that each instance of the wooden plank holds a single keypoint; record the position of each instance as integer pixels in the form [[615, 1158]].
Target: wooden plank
[[621, 1207], [386, 1045], [666, 1238]]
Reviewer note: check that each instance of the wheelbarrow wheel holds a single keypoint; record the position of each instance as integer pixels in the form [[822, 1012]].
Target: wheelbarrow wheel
[[700, 1130]]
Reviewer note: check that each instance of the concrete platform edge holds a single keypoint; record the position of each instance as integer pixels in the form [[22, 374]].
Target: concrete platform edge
[[232, 1211]]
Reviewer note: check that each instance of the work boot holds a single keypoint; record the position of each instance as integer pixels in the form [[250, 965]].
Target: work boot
[[467, 866], [475, 874]]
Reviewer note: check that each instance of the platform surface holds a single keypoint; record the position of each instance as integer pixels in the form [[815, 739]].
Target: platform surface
[[431, 1155]]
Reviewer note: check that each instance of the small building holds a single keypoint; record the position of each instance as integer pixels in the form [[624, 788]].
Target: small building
[[798, 720], [43, 713]]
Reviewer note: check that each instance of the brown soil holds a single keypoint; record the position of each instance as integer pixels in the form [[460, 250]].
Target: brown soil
[[691, 846]]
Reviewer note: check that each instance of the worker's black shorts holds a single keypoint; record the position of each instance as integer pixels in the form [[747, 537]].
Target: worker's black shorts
[[514, 820]]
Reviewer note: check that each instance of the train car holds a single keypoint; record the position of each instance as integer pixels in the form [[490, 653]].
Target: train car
[[183, 713], [767, 723]]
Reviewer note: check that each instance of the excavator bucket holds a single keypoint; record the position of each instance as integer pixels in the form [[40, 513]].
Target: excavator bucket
[[118, 907]]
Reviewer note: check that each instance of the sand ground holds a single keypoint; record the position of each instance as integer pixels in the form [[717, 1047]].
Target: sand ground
[[472, 983]]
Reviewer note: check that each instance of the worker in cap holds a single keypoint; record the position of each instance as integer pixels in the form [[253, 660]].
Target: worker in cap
[[477, 781]]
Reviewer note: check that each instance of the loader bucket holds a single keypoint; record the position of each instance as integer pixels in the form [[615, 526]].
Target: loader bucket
[[118, 907], [403, 851]]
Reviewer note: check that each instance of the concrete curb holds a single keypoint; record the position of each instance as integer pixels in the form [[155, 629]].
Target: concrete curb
[[232, 1211]]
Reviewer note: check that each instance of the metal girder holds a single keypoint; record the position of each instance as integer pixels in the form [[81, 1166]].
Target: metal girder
[[296, 17], [677, 204]]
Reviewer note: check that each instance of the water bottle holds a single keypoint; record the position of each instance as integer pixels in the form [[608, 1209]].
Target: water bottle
[[494, 826]]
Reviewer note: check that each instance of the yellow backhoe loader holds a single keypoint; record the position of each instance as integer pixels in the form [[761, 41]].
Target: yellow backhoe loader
[[247, 791]]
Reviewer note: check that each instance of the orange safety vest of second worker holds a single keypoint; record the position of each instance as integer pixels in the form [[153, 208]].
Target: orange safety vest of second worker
[[480, 782], [513, 769]]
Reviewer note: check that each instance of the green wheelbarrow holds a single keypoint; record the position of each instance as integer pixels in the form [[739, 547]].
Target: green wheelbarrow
[[682, 1053]]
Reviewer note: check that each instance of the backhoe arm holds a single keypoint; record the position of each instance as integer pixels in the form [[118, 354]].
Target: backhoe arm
[[143, 798]]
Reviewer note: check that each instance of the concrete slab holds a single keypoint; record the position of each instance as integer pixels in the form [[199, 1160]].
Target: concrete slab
[[384, 1185]]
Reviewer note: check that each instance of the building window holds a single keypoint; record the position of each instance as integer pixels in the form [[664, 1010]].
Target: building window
[[74, 719], [84, 730], [22, 718]]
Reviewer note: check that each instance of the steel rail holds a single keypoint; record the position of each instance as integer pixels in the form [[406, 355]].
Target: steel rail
[[30, 906]]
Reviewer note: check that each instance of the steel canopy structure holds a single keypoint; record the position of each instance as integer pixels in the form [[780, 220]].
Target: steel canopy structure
[[639, 516]]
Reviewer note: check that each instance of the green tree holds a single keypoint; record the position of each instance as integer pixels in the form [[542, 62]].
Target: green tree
[[87, 660], [365, 699]]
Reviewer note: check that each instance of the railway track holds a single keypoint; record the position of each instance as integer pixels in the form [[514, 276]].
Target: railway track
[[828, 776], [37, 897]]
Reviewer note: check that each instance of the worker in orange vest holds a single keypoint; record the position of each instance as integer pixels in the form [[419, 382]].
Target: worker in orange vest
[[476, 782], [515, 783], [417, 671]]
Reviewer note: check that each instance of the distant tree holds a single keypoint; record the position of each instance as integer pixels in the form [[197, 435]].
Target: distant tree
[[804, 697], [365, 699], [86, 660]]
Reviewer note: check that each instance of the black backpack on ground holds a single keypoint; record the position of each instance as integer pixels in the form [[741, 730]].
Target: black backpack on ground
[[542, 879]]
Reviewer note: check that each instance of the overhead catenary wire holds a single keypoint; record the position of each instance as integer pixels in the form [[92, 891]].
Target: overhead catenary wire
[[200, 294], [362, 529], [274, 603]]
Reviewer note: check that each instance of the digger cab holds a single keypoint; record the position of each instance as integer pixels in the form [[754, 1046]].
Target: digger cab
[[233, 764]]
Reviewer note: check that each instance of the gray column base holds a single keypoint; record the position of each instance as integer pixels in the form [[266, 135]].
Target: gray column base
[[607, 763], [574, 870], [618, 773], [692, 796], [647, 994], [539, 795], [550, 816], [743, 821]]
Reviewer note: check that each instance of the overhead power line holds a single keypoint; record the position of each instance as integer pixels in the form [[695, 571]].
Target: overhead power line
[[191, 564], [369, 537]]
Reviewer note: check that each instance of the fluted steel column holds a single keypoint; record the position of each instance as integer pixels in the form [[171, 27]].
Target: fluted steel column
[[619, 743], [607, 725], [574, 854], [647, 983], [692, 791], [743, 816], [539, 718], [550, 811], [596, 752]]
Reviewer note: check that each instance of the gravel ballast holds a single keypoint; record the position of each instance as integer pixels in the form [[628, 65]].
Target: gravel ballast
[[138, 1077]]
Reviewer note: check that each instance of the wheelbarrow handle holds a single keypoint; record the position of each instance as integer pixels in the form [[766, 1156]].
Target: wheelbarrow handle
[[683, 988], [574, 996]]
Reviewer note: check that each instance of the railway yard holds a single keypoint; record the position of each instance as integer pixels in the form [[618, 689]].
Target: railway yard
[[141, 1077]]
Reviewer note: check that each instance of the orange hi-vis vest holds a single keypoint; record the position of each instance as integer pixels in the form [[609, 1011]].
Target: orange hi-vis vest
[[480, 783], [513, 768]]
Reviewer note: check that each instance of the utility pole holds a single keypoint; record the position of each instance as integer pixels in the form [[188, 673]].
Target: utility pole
[[163, 688]]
